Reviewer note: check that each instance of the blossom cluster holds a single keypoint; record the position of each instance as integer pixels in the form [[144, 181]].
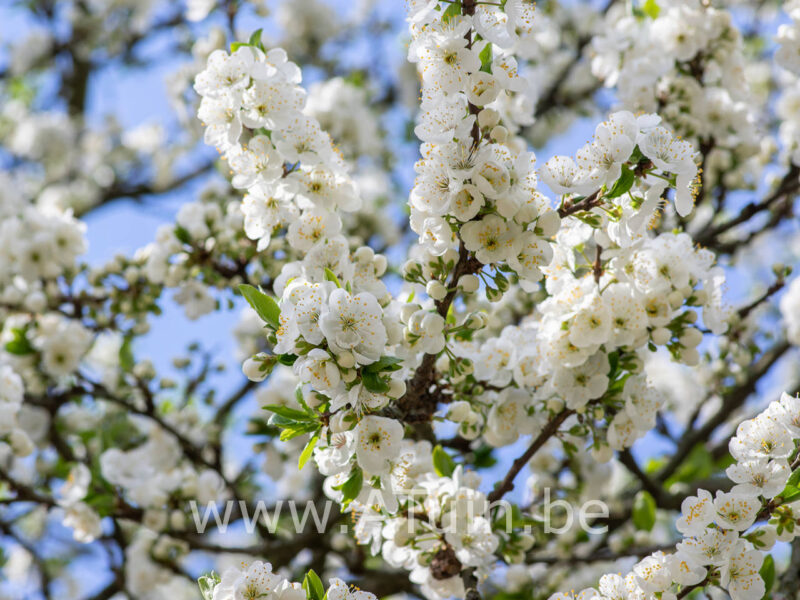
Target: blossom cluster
[[11, 396], [252, 107], [600, 163], [476, 184], [720, 545], [258, 580], [695, 77], [787, 57]]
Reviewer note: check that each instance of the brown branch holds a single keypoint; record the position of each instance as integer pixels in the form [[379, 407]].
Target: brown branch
[[731, 401], [507, 484], [570, 207], [788, 185]]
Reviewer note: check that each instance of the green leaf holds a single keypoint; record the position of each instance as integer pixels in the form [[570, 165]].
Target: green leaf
[[298, 430], [291, 414], [374, 382], [287, 359], [19, 344], [651, 9], [790, 494], [126, 354], [385, 363], [623, 184], [452, 10], [486, 58], [236, 45], [207, 584], [443, 463], [255, 39], [352, 487], [312, 585], [767, 573], [331, 276], [266, 307], [644, 511], [183, 235], [306, 453], [794, 478]]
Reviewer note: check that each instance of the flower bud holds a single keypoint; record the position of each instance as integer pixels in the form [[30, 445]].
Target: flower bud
[[469, 283], [661, 335], [364, 254], [691, 337], [379, 263], [397, 388], [408, 309], [458, 411], [177, 520], [256, 368], [476, 321], [499, 134], [675, 299], [488, 117], [409, 267], [690, 356], [549, 223], [346, 360], [450, 255], [20, 443], [602, 453], [436, 290]]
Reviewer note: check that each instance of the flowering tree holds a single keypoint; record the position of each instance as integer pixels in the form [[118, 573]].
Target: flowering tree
[[431, 366]]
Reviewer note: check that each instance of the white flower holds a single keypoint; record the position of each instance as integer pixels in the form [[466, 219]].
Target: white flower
[[788, 53], [195, 299], [11, 386], [76, 485], [474, 543], [591, 325], [447, 63], [354, 323], [319, 369], [740, 575], [259, 162], [761, 437], [759, 477], [508, 417], [225, 74], [254, 581], [270, 103], [674, 156], [628, 316], [563, 176], [266, 209], [711, 547], [491, 238], [428, 331], [528, 253], [735, 510], [360, 399], [684, 570], [378, 443], [787, 411], [613, 144], [84, 522], [312, 226], [578, 385], [339, 590], [697, 512], [652, 573]]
